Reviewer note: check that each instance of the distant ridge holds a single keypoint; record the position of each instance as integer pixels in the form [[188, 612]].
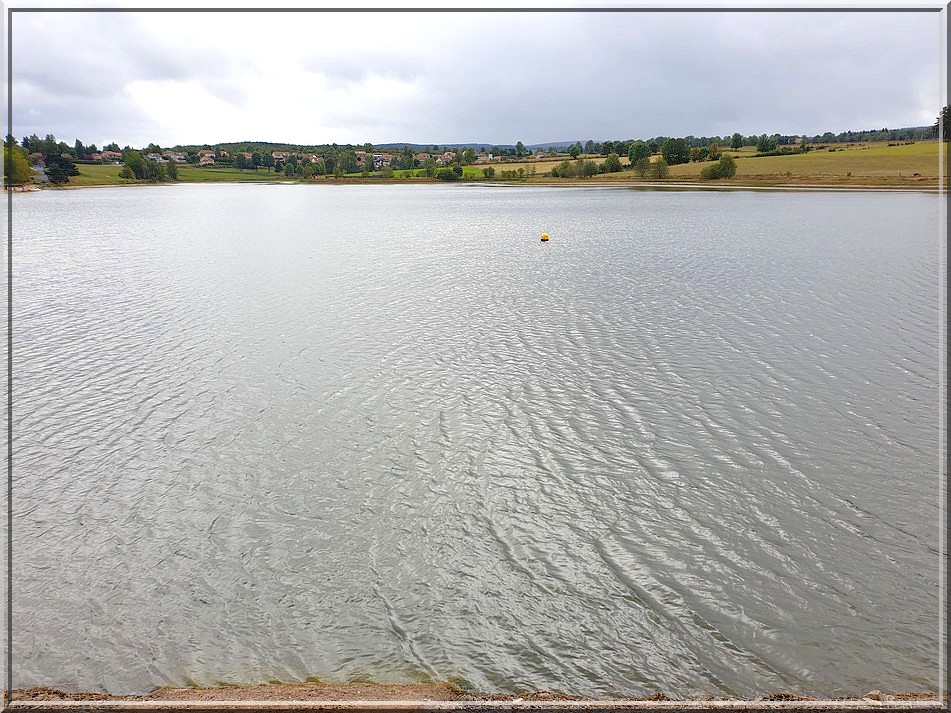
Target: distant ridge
[[391, 146], [474, 144]]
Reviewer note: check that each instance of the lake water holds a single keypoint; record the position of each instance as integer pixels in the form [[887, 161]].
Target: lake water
[[383, 432]]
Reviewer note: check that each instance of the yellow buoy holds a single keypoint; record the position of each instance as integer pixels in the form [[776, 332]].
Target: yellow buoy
[[544, 237]]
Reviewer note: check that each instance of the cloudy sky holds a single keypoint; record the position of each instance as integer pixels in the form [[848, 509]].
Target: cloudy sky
[[431, 77]]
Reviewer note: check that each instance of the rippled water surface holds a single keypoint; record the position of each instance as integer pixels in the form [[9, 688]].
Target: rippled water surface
[[382, 432]]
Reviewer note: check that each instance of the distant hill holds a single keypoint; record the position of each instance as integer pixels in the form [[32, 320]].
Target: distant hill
[[474, 144]]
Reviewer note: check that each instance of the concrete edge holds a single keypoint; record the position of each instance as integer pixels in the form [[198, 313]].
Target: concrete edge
[[477, 706]]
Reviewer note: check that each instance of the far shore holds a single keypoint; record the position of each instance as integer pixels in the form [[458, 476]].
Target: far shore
[[719, 185]]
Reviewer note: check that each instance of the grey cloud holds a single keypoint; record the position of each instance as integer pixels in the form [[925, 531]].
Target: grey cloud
[[507, 77]]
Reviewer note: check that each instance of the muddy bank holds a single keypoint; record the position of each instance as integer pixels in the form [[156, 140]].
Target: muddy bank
[[380, 692]]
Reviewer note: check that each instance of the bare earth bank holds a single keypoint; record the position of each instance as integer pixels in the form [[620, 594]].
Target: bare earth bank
[[368, 692]]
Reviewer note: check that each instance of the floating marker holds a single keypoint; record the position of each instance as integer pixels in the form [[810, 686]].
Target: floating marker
[[544, 237]]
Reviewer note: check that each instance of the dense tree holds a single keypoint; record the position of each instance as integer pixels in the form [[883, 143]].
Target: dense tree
[[612, 164], [637, 151], [240, 162], [519, 149], [288, 169], [488, 172], [16, 165], [658, 169], [59, 168], [675, 151], [713, 151], [468, 156], [574, 151], [589, 146], [766, 143], [942, 125], [135, 163], [642, 165], [154, 171], [172, 169]]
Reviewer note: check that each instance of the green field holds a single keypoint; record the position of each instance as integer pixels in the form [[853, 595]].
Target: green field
[[108, 175], [871, 162]]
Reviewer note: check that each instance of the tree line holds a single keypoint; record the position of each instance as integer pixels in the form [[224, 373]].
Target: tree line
[[58, 159]]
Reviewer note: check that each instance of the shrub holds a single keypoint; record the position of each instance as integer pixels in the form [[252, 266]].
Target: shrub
[[724, 168], [589, 168], [658, 169], [612, 164], [446, 174]]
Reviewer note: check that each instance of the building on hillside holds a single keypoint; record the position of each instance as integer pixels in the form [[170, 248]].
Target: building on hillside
[[280, 155], [206, 160], [223, 153]]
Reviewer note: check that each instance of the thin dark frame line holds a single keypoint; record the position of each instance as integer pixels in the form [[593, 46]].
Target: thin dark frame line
[[944, 676], [486, 10], [8, 673]]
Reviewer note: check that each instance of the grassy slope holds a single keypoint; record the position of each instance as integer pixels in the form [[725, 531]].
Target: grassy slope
[[874, 161]]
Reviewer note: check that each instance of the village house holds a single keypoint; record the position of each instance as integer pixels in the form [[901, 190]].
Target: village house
[[112, 156], [175, 156], [206, 160], [487, 158], [222, 153], [157, 157], [447, 158], [206, 152], [96, 157], [381, 159], [280, 155]]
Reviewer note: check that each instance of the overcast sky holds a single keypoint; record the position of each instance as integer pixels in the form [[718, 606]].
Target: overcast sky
[[489, 78]]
